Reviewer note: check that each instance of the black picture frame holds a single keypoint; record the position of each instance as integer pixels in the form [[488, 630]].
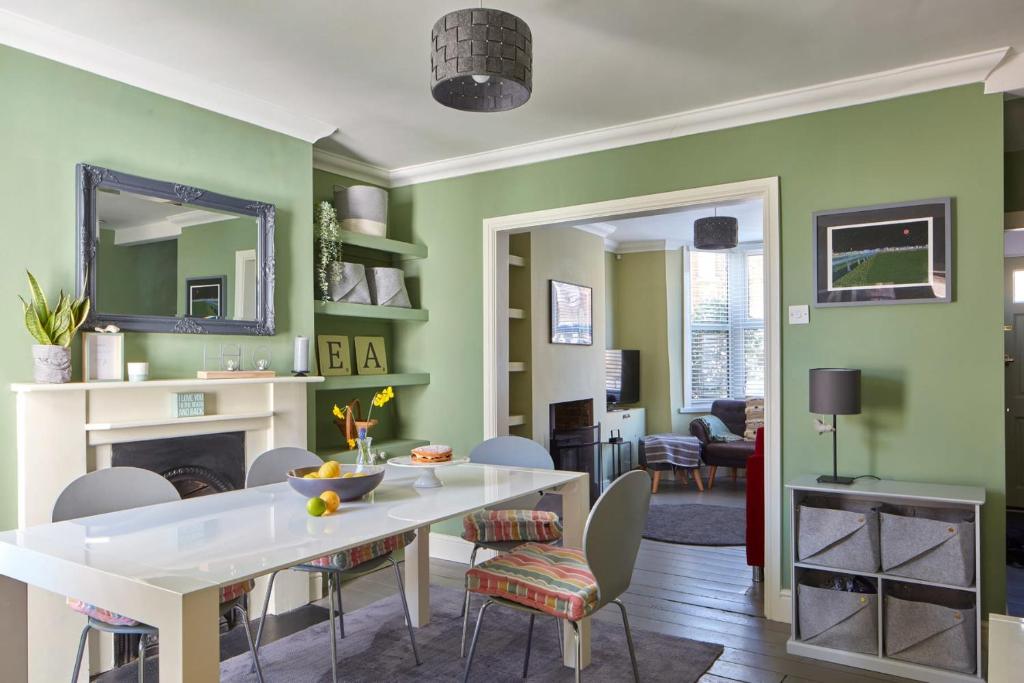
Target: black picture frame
[[92, 178], [206, 297], [572, 313], [884, 254]]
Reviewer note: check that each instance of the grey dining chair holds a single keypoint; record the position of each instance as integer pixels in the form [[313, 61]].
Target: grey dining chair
[[611, 540], [272, 468], [124, 488], [507, 451]]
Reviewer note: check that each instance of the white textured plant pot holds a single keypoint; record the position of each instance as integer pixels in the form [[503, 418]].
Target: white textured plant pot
[[348, 283], [51, 364], [387, 287], [362, 209]]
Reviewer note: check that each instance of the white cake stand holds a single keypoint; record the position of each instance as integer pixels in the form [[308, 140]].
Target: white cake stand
[[427, 480]]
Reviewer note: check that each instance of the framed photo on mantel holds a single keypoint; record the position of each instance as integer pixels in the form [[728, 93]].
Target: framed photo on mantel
[[886, 254]]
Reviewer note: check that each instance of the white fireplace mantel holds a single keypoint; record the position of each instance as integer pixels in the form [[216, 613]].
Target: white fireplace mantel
[[67, 430]]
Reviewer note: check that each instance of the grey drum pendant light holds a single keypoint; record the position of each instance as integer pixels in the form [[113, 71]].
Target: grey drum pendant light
[[481, 60], [716, 232]]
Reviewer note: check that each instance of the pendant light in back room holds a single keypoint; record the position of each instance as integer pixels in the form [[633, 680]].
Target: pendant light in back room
[[716, 232], [481, 60]]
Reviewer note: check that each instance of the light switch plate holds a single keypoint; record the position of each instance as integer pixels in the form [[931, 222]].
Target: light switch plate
[[799, 315]]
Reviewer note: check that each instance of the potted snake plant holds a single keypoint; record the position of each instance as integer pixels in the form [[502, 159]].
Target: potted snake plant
[[53, 329]]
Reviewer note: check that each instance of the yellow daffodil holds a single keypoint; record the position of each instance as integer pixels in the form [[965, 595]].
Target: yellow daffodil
[[351, 443], [338, 413]]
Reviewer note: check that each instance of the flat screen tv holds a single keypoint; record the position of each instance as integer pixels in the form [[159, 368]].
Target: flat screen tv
[[622, 376]]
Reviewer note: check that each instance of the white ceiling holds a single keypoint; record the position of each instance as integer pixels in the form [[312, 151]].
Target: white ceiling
[[672, 229], [362, 66], [125, 210]]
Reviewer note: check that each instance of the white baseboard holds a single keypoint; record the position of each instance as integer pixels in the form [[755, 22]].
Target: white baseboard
[[785, 602], [455, 549]]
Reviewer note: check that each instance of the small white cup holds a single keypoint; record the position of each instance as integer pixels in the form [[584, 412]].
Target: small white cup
[[138, 372]]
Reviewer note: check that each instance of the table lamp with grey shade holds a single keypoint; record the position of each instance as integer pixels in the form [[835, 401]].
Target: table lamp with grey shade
[[834, 391]]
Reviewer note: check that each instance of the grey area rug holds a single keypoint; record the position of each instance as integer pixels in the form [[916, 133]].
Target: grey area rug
[[697, 524], [376, 648]]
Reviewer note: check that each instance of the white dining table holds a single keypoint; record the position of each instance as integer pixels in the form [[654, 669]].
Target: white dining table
[[164, 564]]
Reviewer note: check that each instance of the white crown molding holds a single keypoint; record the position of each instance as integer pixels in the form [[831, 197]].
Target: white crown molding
[[89, 55], [638, 247], [351, 168], [910, 80], [1007, 76]]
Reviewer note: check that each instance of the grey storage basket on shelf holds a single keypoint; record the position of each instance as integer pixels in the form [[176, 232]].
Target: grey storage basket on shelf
[[348, 283], [362, 209], [931, 626], [838, 619], [928, 544], [387, 287], [838, 532]]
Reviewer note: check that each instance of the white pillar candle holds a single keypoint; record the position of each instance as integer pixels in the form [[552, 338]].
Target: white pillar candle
[[301, 363]]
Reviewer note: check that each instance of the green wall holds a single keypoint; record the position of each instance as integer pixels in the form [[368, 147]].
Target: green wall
[[55, 116], [932, 373], [138, 279]]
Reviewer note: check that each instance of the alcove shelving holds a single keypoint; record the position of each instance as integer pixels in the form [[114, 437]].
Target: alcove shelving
[[519, 379]]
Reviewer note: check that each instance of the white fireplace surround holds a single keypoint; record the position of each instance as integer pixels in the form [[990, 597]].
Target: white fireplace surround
[[67, 430]]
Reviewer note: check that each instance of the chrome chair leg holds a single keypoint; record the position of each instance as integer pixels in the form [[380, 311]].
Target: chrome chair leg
[[476, 635], [405, 608], [529, 641], [629, 640], [465, 603], [81, 651], [248, 638], [142, 658], [341, 614], [579, 649], [266, 604], [330, 626]]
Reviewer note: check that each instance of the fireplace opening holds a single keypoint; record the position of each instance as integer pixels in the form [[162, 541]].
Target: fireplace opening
[[576, 440], [196, 465]]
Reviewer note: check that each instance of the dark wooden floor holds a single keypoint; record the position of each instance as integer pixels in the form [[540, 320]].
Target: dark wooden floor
[[695, 592]]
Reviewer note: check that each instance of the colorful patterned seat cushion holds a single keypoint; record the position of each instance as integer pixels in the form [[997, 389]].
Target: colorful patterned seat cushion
[[511, 525], [227, 594], [554, 580], [353, 557]]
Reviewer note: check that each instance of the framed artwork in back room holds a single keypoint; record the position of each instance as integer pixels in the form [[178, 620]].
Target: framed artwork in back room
[[572, 314], [886, 254]]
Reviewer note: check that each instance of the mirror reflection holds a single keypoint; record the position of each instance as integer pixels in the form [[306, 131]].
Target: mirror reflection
[[156, 256]]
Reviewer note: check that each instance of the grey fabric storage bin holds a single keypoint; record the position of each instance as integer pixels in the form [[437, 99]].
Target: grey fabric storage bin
[[929, 544], [387, 287], [838, 532], [362, 209], [931, 626], [348, 283], [838, 619]]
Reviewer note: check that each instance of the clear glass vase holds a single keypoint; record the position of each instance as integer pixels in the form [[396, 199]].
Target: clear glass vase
[[364, 456]]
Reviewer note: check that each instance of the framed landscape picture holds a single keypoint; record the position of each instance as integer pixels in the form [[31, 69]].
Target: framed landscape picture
[[206, 297], [572, 314], [888, 254]]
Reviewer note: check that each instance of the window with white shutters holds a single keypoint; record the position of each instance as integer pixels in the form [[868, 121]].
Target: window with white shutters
[[724, 325]]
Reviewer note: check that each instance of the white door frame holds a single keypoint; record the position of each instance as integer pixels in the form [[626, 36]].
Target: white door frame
[[767, 189]]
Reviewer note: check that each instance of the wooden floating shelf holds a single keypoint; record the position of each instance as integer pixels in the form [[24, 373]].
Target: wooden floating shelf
[[516, 313], [516, 367], [406, 250], [393, 447], [516, 420], [337, 308], [517, 261], [164, 421], [407, 379]]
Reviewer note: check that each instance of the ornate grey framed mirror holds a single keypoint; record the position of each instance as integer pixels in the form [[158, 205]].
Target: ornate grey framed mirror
[[157, 256]]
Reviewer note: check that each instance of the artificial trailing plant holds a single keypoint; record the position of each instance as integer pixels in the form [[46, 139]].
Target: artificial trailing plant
[[53, 327], [329, 250]]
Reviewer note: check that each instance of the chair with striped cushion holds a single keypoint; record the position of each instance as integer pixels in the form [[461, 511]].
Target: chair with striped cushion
[[568, 583], [271, 468], [124, 488], [508, 526]]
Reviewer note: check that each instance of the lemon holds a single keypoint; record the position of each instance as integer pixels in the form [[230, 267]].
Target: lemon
[[329, 470], [348, 475], [311, 475], [316, 506], [332, 500]]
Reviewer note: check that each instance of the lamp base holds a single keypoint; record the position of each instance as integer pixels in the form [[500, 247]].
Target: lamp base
[[829, 479]]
